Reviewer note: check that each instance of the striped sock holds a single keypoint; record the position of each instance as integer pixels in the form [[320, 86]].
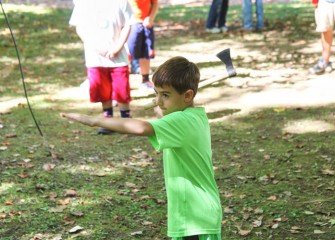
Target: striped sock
[[125, 113], [108, 112]]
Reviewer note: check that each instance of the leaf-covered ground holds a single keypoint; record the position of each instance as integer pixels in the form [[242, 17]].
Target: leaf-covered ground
[[272, 132]]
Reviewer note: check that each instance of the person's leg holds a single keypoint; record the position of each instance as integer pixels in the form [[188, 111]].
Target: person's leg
[[247, 14], [145, 66], [324, 18], [326, 42], [212, 14], [134, 43], [135, 66], [259, 15], [101, 88], [223, 14], [121, 89], [148, 53]]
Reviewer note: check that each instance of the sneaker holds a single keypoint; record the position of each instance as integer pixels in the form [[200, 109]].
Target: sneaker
[[321, 67], [213, 30], [329, 67], [224, 29], [104, 131], [147, 85]]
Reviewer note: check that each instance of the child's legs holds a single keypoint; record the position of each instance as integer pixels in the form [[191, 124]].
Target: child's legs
[[121, 87], [148, 50], [212, 14], [247, 14], [259, 14], [136, 40], [223, 13], [100, 86], [326, 40], [324, 18], [149, 43], [145, 66]]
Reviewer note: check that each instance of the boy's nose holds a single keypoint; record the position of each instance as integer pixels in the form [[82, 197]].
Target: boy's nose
[[158, 101]]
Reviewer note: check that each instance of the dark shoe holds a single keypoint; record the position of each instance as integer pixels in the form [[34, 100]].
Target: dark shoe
[[104, 131]]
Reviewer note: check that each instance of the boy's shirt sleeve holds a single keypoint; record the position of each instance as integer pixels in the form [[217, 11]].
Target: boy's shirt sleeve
[[168, 131], [129, 14], [74, 19]]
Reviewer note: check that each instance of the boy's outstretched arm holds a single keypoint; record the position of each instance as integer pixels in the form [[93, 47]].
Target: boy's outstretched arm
[[120, 125]]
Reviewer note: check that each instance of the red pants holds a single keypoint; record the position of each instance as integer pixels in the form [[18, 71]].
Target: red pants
[[108, 84]]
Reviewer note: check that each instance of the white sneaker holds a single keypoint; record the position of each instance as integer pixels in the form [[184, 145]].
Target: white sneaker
[[224, 29], [213, 30]]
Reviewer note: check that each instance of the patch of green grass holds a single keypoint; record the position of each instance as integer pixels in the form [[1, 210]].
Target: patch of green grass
[[280, 178]]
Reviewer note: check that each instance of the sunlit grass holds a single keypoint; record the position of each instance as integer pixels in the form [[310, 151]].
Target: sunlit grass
[[5, 186], [15, 8]]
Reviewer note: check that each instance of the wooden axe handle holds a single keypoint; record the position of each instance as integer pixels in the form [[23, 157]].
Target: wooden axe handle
[[211, 80], [202, 83]]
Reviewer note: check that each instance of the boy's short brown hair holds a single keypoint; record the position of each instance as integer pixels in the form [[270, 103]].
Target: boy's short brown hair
[[178, 73]]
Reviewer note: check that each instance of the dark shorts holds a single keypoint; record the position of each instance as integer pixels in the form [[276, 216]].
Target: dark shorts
[[107, 83], [141, 42]]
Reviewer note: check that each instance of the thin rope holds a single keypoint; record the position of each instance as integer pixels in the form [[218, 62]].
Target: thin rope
[[22, 78]]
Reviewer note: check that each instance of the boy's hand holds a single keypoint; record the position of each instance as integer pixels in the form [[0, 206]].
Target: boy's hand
[[147, 22], [84, 119], [110, 54]]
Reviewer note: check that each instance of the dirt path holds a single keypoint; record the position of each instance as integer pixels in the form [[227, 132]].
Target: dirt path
[[277, 85]]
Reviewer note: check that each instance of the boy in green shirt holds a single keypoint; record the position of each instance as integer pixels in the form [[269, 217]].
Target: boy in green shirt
[[183, 133]]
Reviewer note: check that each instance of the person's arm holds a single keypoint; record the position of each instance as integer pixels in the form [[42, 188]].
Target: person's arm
[[112, 53], [120, 125], [149, 21]]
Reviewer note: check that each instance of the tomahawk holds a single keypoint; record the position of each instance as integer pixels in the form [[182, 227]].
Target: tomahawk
[[224, 56]]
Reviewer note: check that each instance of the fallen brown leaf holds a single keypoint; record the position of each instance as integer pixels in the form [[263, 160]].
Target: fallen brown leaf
[[63, 201], [76, 229], [3, 215], [244, 232], [70, 193]]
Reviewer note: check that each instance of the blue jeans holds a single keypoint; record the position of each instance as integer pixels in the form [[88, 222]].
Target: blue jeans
[[217, 14], [135, 66], [247, 14]]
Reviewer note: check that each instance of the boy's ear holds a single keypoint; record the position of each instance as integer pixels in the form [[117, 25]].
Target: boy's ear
[[189, 95]]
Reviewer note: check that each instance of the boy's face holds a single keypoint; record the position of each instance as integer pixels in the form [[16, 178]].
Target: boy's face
[[169, 100]]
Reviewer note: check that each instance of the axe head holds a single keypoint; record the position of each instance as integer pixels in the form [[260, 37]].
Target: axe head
[[224, 56]]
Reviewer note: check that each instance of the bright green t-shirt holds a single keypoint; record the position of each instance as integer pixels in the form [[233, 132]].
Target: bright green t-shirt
[[193, 198]]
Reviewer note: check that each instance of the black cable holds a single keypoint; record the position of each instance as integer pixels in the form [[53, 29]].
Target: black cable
[[22, 78]]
